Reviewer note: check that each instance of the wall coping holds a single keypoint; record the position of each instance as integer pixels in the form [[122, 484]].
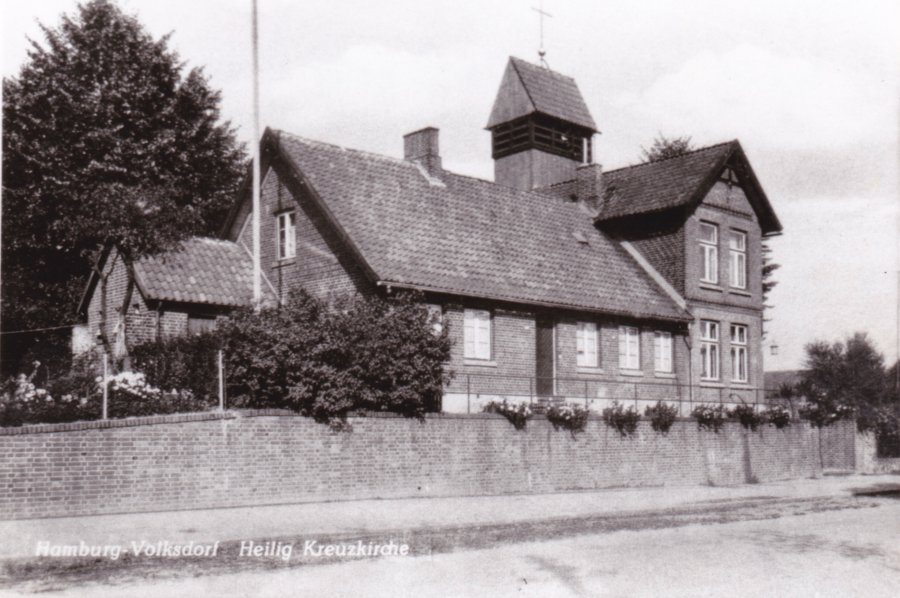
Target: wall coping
[[179, 418]]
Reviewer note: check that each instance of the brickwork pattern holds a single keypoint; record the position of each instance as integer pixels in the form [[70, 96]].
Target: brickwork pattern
[[271, 457], [838, 446], [665, 252]]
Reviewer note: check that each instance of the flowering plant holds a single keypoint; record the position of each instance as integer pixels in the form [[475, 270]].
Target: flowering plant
[[662, 416], [517, 414], [711, 418], [623, 420], [777, 416], [570, 417]]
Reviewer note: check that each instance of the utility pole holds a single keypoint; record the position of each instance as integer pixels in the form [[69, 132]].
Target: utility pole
[[257, 271]]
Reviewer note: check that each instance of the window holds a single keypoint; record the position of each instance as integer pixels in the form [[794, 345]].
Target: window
[[709, 350], [738, 353], [199, 324], [737, 245], [286, 236], [435, 318], [662, 351], [629, 348], [477, 334], [586, 344], [709, 252]]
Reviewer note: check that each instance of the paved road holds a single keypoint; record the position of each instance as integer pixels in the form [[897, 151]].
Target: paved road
[[807, 548]]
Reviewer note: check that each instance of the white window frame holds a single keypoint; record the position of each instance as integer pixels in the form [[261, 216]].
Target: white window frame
[[287, 235], [709, 350], [435, 318], [586, 345], [629, 348], [477, 334], [662, 352], [737, 247], [739, 353], [709, 253]]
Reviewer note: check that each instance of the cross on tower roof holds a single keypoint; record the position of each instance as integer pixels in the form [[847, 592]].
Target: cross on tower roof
[[541, 51]]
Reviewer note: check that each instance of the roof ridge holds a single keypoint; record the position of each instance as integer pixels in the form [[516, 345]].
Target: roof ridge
[[365, 153], [539, 67], [694, 151]]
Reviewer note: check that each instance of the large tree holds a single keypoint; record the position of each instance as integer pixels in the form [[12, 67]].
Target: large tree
[[105, 140], [846, 380]]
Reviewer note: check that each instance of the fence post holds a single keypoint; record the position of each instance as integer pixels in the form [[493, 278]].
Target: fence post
[[635, 397], [531, 390], [585, 392], [105, 382], [221, 383], [468, 393]]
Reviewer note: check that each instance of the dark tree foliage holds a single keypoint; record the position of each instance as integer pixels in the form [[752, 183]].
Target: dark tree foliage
[[846, 380], [664, 148], [105, 140], [328, 362], [182, 363]]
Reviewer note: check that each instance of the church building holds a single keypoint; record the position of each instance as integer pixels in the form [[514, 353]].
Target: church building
[[556, 281]]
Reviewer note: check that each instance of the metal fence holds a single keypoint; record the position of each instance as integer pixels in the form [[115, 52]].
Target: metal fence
[[596, 392]]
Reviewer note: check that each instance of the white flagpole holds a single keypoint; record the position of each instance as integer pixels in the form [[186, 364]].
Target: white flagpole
[[257, 272]]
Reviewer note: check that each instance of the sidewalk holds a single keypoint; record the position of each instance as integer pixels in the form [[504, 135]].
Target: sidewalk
[[19, 538]]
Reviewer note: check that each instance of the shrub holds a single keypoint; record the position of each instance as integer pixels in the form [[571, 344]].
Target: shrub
[[711, 418], [777, 416], [747, 415], [329, 362], [821, 416], [569, 417], [518, 415], [623, 420], [661, 416], [187, 363]]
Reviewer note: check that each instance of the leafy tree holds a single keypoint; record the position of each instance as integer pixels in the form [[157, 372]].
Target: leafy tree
[[104, 141], [664, 148], [328, 362], [843, 381]]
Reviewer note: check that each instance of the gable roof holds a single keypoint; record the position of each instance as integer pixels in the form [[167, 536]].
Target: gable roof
[[527, 88], [461, 235], [682, 181], [212, 272]]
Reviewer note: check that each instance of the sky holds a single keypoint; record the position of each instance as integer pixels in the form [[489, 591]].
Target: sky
[[811, 89]]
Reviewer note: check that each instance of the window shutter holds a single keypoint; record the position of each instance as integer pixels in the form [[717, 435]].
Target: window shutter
[[483, 324], [590, 344], [469, 334], [623, 348]]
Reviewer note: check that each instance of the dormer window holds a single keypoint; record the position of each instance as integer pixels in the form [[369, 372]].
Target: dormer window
[[709, 252], [287, 236]]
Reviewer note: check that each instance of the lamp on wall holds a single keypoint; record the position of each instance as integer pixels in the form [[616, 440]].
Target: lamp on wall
[[773, 349]]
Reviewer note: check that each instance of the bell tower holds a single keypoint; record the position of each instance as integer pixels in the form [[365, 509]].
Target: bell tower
[[541, 129]]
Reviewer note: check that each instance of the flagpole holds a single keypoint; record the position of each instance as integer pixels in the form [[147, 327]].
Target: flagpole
[[257, 271]]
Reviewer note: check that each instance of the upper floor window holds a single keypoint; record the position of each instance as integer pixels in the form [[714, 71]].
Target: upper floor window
[[435, 318], [739, 353], [629, 348], [586, 344], [737, 247], [477, 334], [709, 252], [709, 350], [662, 351], [287, 237]]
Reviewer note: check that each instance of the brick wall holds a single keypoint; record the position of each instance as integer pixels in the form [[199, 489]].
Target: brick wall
[[838, 446], [258, 458]]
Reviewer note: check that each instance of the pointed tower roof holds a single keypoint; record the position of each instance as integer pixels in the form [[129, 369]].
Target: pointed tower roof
[[527, 88]]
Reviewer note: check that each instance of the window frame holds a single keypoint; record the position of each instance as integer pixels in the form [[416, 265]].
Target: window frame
[[626, 335], [586, 337], [737, 259], [709, 254], [477, 333], [286, 234], [663, 352], [740, 353], [709, 350]]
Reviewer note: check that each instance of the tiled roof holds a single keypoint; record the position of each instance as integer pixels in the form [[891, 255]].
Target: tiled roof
[[550, 93], [471, 237], [208, 271], [661, 185]]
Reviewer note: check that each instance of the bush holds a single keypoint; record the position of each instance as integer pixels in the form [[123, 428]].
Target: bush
[[820, 416], [747, 415], [711, 418], [777, 416], [186, 363], [661, 416], [569, 417], [518, 415], [329, 362], [623, 420], [65, 400]]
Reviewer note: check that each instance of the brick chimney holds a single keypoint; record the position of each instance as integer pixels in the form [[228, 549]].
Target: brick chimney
[[590, 187], [421, 147]]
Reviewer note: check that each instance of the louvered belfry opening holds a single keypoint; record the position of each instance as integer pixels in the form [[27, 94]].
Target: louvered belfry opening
[[545, 133]]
